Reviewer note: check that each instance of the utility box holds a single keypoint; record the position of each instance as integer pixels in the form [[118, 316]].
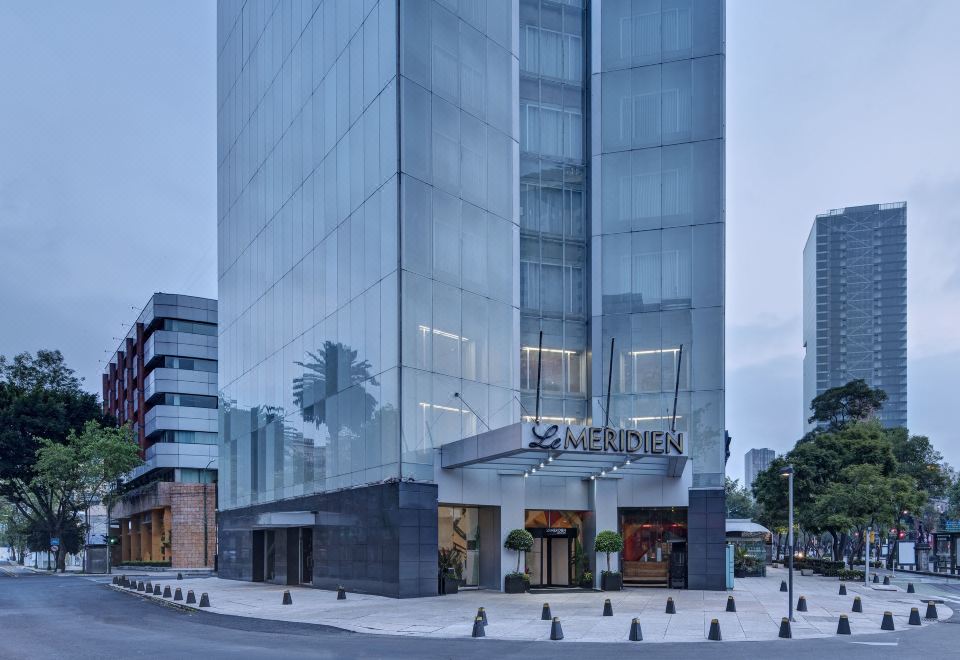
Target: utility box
[[96, 559]]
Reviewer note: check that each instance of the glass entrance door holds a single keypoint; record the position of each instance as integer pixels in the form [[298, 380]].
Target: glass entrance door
[[559, 558], [549, 561]]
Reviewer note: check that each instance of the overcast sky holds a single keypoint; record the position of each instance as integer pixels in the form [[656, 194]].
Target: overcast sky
[[108, 179]]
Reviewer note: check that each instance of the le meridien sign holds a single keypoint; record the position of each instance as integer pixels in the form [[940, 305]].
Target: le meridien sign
[[604, 439], [569, 451]]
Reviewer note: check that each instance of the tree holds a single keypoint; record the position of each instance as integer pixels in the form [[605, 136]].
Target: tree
[[855, 401], [14, 530], [606, 542], [739, 501], [76, 474], [520, 540], [40, 397], [817, 460], [917, 458]]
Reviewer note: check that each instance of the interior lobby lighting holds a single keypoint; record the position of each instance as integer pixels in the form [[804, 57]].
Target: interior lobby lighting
[[449, 335], [655, 351]]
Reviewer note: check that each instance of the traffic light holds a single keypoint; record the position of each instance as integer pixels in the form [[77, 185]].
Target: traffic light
[[113, 540]]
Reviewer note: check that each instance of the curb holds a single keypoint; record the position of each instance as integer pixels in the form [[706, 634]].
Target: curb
[[153, 599]]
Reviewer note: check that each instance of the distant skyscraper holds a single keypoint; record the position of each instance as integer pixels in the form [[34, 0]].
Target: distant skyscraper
[[756, 461], [855, 305]]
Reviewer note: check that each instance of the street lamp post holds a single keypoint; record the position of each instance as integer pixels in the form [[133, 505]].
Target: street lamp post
[[206, 560], [788, 473]]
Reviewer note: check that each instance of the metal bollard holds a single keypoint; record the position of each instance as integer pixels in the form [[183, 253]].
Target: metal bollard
[[482, 613], [931, 610], [910, 589], [843, 589], [783, 585], [731, 604], [843, 625], [556, 632], [191, 599], [287, 599], [545, 613], [886, 580], [857, 605], [166, 592], [671, 609], [178, 595], [204, 600], [156, 590], [785, 632], [887, 623], [802, 604], [636, 635], [478, 630], [607, 608], [341, 593], [714, 634], [914, 617]]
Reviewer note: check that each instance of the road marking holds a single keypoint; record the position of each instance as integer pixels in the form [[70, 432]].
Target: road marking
[[877, 643]]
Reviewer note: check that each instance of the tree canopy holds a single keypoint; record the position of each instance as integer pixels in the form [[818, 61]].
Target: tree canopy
[[855, 401], [58, 452], [739, 501], [852, 476]]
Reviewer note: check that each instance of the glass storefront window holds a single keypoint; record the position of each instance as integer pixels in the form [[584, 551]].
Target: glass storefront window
[[654, 545], [458, 528]]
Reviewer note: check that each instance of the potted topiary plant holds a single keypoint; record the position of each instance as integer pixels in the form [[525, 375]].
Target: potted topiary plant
[[586, 580], [522, 541], [448, 561], [606, 542]]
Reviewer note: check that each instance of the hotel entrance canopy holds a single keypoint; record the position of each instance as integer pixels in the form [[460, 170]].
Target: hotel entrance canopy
[[583, 452]]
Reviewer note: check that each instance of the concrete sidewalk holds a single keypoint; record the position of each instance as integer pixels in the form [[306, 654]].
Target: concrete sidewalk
[[759, 602]]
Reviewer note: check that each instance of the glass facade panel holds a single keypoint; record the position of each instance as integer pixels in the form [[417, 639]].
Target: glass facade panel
[[307, 235], [458, 224], [399, 222], [458, 530], [553, 216], [659, 214]]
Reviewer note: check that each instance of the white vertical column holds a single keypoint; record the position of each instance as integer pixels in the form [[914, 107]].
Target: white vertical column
[[603, 503], [512, 517]]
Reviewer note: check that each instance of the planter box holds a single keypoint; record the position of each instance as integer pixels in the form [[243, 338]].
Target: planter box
[[611, 581], [448, 585], [514, 584], [806, 571]]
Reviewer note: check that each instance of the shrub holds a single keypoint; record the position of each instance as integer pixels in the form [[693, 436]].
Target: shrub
[[852, 575], [520, 540], [606, 542]]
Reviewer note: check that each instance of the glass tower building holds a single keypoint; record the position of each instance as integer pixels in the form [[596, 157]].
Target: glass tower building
[[410, 192], [855, 305]]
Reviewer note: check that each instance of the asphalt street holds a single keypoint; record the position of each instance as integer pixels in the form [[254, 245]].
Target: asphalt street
[[43, 616]]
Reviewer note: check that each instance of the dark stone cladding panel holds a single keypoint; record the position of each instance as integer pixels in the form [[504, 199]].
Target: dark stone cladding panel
[[378, 539], [706, 539]]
